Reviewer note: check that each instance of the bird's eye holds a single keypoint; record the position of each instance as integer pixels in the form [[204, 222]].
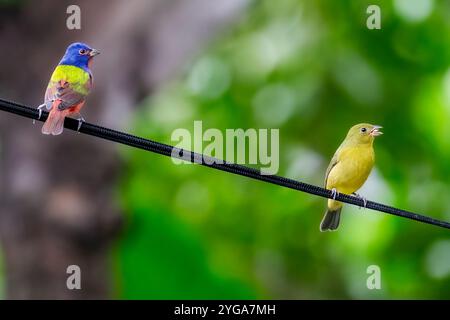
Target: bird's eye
[[363, 130], [82, 51]]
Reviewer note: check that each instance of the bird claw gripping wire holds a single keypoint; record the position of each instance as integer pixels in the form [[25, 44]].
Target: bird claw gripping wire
[[334, 193], [47, 105], [80, 119], [80, 122], [364, 200], [40, 111], [167, 150]]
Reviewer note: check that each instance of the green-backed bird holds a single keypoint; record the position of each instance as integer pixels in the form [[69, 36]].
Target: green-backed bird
[[349, 169], [68, 88]]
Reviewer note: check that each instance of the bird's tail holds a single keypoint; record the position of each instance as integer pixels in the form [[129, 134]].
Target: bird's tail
[[330, 221], [55, 122]]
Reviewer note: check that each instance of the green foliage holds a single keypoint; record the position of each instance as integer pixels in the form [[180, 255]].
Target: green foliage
[[311, 69], [11, 3]]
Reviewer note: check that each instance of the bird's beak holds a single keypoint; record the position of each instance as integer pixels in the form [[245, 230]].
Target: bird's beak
[[375, 132], [94, 52]]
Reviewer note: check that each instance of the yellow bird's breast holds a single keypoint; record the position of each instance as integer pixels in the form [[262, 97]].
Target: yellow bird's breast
[[352, 169]]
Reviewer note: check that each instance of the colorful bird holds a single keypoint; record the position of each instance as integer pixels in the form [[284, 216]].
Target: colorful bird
[[68, 88], [349, 169]]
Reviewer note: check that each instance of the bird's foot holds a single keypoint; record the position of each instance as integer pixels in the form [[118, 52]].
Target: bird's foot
[[334, 193], [40, 112], [80, 123], [364, 200]]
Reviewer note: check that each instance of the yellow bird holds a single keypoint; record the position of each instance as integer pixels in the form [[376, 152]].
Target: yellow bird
[[349, 169]]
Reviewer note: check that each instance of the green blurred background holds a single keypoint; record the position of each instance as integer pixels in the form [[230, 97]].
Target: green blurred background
[[311, 69]]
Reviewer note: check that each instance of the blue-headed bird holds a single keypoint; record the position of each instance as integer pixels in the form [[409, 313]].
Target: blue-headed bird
[[349, 169], [68, 88]]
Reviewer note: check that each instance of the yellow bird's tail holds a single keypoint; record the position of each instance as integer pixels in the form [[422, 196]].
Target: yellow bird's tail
[[330, 221]]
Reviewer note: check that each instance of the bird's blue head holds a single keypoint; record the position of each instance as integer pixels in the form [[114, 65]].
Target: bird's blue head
[[79, 55]]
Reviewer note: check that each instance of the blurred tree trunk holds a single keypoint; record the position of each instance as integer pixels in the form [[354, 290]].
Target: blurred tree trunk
[[57, 205]]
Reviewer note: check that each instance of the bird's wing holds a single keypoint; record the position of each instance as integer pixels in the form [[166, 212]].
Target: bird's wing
[[334, 161], [63, 91], [69, 86]]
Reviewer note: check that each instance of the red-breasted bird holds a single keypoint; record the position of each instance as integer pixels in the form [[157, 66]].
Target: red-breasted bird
[[349, 169], [68, 88]]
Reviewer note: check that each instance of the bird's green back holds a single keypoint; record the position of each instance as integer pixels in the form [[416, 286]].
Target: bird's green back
[[77, 78]]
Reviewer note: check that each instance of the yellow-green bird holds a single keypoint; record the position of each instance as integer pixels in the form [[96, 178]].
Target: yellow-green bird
[[349, 169]]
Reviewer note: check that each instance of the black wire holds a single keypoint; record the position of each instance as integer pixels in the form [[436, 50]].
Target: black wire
[[211, 162]]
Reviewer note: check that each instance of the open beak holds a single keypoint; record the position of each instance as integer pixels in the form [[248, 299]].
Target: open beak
[[375, 132], [94, 52]]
